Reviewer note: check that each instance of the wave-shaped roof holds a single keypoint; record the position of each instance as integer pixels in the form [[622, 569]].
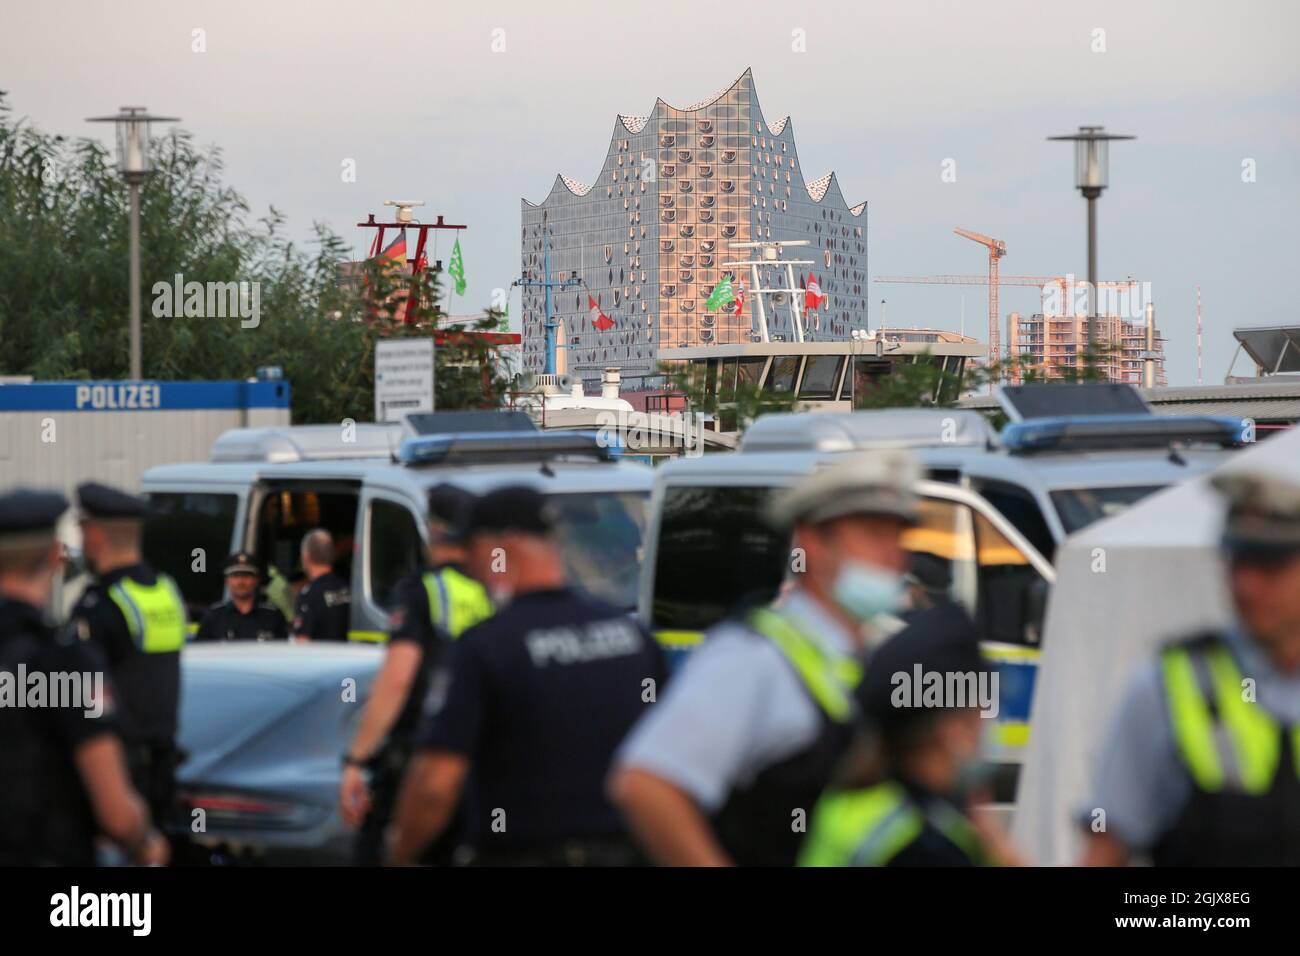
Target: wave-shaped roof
[[575, 187], [817, 189]]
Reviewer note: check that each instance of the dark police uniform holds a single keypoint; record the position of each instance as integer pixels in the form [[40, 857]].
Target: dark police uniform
[[898, 822], [45, 813], [323, 609], [430, 610], [226, 622], [538, 698], [136, 617]]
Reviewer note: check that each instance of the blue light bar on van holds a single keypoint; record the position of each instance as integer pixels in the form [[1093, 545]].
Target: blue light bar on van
[[489, 447], [1117, 432]]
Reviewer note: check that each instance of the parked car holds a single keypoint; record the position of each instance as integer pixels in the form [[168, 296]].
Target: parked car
[[263, 726]]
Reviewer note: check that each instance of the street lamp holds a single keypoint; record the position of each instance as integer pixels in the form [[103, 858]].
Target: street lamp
[[132, 124], [1091, 176]]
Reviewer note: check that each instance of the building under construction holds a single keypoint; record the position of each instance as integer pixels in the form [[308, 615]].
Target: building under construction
[[1054, 345]]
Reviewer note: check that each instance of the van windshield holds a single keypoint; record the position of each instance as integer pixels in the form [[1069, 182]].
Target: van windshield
[[715, 554], [1080, 507], [601, 536]]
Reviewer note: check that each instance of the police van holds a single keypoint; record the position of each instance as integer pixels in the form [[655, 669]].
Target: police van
[[993, 508], [266, 488]]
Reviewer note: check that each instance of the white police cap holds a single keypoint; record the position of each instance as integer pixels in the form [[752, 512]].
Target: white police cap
[[878, 482]]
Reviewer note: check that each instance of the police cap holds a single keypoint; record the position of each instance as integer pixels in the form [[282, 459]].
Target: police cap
[[876, 482], [449, 505], [106, 503], [1263, 516], [28, 517], [241, 562], [517, 508], [942, 640]]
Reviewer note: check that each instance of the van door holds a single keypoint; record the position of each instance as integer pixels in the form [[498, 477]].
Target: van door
[[189, 531], [973, 552], [281, 511], [390, 547]]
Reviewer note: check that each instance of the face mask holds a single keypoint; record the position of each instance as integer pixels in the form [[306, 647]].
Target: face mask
[[865, 591], [974, 777]]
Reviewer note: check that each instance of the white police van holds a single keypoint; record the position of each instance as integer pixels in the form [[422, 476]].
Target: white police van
[[265, 488], [993, 509]]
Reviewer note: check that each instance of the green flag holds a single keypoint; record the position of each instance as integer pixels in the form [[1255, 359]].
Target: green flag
[[721, 296], [456, 269]]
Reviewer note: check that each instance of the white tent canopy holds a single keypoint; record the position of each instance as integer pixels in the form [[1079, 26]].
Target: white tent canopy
[[1124, 586]]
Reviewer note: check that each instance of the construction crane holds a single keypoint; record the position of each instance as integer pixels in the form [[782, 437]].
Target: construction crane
[[1038, 282], [997, 249]]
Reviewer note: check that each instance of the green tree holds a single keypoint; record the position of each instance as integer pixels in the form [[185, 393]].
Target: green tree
[[64, 284]]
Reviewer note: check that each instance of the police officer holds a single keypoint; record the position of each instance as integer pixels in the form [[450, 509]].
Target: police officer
[[431, 608], [915, 776], [1202, 766], [64, 772], [728, 766], [242, 618], [325, 601], [136, 617], [533, 701]]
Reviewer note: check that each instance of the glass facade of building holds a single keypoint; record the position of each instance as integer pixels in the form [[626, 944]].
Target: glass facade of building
[[649, 238]]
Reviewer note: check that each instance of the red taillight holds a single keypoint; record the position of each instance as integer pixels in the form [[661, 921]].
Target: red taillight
[[225, 809], [230, 803]]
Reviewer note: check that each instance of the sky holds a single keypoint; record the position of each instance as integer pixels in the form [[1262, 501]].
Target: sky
[[473, 106]]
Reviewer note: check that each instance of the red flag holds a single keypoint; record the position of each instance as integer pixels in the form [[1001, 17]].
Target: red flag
[[598, 318], [740, 298], [813, 297]]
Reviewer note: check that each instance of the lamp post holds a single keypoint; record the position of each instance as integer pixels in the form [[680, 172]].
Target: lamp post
[[132, 124], [1091, 176]]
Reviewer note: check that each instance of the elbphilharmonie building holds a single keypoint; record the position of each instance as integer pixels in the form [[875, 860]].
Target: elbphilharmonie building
[[649, 238]]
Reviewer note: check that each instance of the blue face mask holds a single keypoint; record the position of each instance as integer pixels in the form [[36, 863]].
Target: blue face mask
[[865, 591]]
